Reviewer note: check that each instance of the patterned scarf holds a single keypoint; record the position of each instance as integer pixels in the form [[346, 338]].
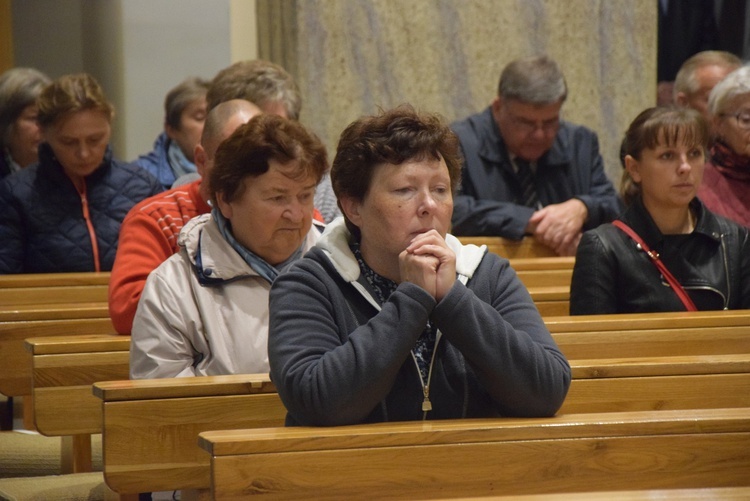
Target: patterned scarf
[[383, 288], [729, 163], [256, 262]]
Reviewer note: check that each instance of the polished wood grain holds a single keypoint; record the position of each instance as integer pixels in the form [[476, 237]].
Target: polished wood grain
[[568, 453]]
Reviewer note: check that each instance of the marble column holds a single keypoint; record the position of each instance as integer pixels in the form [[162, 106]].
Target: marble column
[[351, 57]]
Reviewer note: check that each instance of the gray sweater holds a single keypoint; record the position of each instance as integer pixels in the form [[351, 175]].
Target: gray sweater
[[338, 357]]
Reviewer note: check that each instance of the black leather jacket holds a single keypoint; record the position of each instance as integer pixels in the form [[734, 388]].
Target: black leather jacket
[[612, 275]]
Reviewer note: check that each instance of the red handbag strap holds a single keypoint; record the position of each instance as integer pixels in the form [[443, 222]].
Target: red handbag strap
[[676, 286]]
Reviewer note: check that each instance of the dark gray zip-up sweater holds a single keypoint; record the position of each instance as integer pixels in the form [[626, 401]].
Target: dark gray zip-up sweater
[[338, 358]]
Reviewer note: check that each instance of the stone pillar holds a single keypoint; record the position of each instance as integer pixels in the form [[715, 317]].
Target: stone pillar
[[352, 56]]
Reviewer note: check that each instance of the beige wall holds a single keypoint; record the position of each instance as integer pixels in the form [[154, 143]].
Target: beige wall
[[352, 56], [137, 49]]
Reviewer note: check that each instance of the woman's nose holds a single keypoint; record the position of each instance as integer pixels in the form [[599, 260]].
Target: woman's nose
[[295, 212], [684, 163], [428, 203]]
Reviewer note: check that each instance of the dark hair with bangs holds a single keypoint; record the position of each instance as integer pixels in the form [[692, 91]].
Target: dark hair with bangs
[[248, 151], [390, 137], [661, 125]]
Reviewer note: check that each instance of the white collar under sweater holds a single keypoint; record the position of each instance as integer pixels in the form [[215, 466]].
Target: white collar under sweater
[[335, 243]]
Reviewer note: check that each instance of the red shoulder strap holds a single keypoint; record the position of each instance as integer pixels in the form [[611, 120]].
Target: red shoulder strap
[[676, 286]]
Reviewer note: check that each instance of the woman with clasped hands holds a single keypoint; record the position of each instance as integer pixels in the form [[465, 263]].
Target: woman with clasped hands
[[388, 317], [708, 255]]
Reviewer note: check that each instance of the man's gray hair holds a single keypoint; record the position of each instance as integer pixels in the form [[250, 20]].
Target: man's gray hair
[[734, 85], [686, 81], [535, 80], [258, 81]]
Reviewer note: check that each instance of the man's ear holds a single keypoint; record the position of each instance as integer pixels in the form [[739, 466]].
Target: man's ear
[[496, 105], [633, 167], [200, 158], [681, 99], [350, 207]]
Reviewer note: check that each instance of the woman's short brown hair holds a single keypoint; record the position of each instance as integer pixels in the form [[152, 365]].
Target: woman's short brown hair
[[391, 137], [248, 151], [660, 125], [69, 94]]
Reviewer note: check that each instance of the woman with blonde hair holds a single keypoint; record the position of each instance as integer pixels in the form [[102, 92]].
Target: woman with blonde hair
[[63, 213]]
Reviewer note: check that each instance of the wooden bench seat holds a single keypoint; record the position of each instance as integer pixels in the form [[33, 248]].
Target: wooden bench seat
[[418, 460]]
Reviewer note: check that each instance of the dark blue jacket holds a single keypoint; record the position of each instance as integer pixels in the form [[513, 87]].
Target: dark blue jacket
[[156, 162], [487, 202], [42, 225]]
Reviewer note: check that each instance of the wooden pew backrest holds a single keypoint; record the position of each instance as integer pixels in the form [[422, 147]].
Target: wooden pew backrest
[[15, 360], [24, 280], [573, 453], [650, 334], [151, 426], [63, 370], [525, 248]]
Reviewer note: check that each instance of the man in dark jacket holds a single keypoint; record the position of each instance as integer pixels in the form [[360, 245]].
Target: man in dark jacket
[[526, 171]]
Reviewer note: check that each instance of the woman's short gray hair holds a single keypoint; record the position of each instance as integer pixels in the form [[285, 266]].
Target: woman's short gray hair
[[734, 85], [535, 80]]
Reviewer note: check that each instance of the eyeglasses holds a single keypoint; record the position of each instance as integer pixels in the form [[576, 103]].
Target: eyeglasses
[[742, 117], [527, 127]]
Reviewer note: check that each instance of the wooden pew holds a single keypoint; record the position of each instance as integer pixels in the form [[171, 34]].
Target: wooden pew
[[63, 370], [507, 248], [50, 288], [168, 414], [443, 459], [551, 300], [544, 271], [150, 427], [25, 280], [685, 337], [704, 494], [652, 334], [15, 360]]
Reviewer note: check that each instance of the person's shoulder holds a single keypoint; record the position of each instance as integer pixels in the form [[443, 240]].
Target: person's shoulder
[[471, 124], [128, 175], [177, 200], [19, 183], [576, 131], [174, 272], [726, 225]]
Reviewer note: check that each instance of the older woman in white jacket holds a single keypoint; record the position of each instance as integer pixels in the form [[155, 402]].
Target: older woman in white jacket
[[204, 311]]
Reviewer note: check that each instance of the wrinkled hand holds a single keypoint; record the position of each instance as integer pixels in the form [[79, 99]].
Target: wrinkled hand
[[559, 225], [429, 263]]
